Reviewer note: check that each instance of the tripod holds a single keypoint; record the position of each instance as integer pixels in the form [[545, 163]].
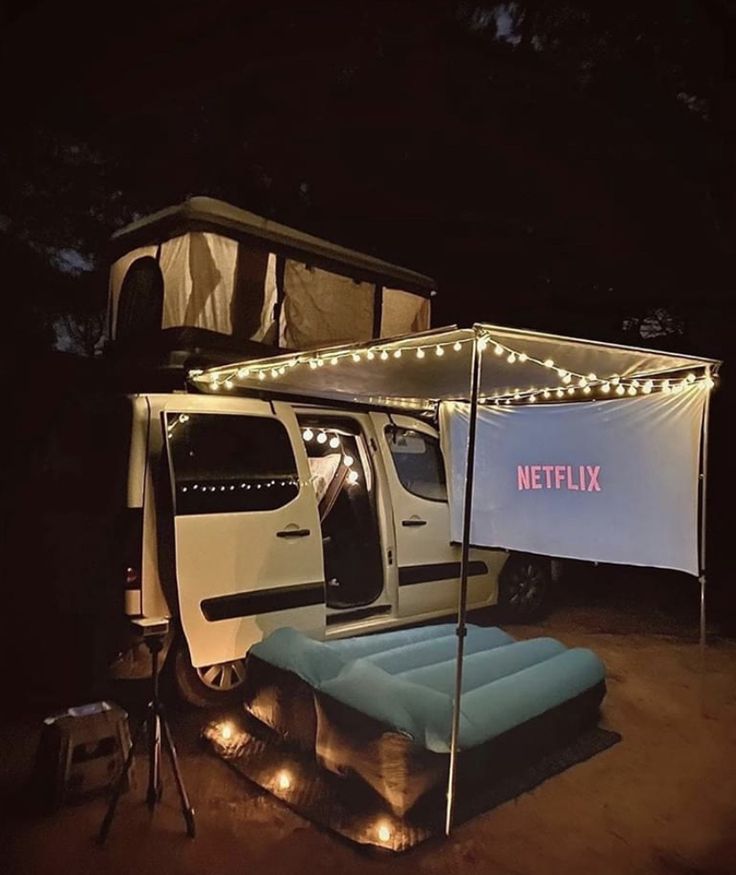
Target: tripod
[[155, 722]]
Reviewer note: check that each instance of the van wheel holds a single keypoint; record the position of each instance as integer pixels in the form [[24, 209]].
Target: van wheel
[[209, 686], [524, 587]]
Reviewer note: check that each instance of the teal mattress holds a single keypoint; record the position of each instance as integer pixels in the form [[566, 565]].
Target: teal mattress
[[405, 679]]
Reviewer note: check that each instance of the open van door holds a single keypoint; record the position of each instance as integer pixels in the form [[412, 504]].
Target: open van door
[[429, 565], [247, 533]]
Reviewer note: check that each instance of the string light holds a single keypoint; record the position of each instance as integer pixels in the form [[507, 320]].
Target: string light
[[307, 434], [588, 383], [334, 442]]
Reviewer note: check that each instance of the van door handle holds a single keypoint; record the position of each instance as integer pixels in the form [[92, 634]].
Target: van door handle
[[414, 521], [292, 533]]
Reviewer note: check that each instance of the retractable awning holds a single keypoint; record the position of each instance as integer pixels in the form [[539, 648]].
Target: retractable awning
[[419, 370]]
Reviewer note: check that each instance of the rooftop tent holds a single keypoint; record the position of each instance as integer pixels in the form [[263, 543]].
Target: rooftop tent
[[522, 415], [229, 271]]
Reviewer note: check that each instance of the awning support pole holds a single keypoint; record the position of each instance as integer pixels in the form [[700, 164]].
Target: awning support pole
[[463, 591], [703, 512]]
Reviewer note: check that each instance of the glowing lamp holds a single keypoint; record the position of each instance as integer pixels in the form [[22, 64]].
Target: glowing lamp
[[307, 434], [384, 832], [334, 442], [321, 438], [284, 780]]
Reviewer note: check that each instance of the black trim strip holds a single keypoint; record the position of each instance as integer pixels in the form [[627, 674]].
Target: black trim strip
[[411, 574], [263, 601], [360, 614], [377, 309]]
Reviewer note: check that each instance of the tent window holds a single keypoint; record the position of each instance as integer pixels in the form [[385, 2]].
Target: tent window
[[141, 303], [418, 462], [230, 464]]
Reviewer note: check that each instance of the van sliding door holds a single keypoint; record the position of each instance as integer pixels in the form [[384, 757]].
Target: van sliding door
[[247, 532]]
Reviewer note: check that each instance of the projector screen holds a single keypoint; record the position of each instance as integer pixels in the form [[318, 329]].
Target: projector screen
[[607, 481]]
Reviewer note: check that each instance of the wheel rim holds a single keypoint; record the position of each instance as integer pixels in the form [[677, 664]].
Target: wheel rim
[[223, 677], [526, 588]]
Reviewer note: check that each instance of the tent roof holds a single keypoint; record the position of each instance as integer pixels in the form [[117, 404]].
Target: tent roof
[[216, 216], [418, 370]]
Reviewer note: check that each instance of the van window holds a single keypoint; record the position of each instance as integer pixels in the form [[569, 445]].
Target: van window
[[418, 462], [228, 463]]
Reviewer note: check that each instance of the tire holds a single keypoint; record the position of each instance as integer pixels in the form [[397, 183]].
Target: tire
[[211, 686], [524, 587]]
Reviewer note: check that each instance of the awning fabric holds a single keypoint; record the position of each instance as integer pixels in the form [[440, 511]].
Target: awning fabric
[[611, 481], [436, 366]]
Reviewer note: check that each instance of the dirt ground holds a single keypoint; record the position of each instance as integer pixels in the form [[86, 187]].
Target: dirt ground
[[661, 801]]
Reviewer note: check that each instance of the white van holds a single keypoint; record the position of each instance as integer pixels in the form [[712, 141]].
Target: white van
[[245, 514]]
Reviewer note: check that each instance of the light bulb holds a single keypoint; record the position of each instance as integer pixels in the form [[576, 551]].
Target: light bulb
[[333, 360], [635, 384], [559, 393], [334, 442], [482, 343], [384, 355], [582, 382], [511, 358], [321, 438], [562, 372], [691, 378], [348, 461], [438, 350], [632, 390], [498, 349], [384, 833], [283, 780], [549, 363], [229, 383], [587, 390], [356, 357], [648, 387], [313, 364], [567, 379], [307, 434], [532, 399], [420, 353], [592, 377], [243, 372], [620, 389], [571, 390], [457, 346], [523, 356], [353, 477], [226, 731], [546, 393], [397, 353], [370, 355], [320, 362], [615, 379], [606, 387], [261, 375]]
